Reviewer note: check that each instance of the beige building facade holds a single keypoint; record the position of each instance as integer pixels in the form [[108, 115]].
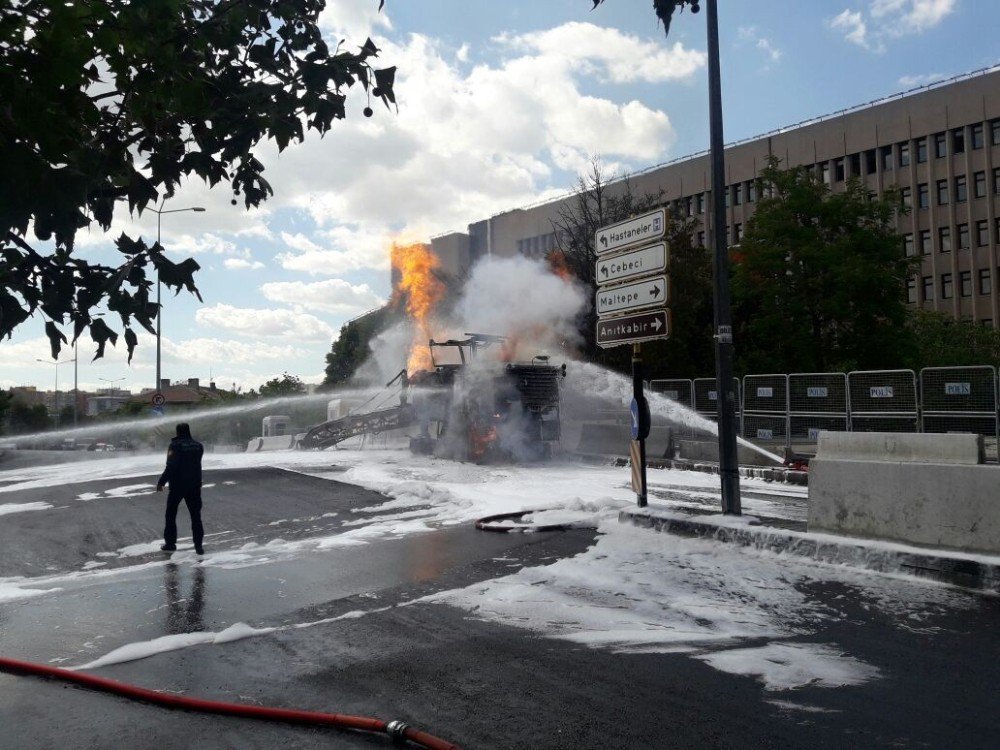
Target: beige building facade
[[940, 146]]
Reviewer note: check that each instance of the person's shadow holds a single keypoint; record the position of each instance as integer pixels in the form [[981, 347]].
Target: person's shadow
[[184, 615]]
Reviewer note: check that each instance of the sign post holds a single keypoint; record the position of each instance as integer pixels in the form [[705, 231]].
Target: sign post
[[633, 291]]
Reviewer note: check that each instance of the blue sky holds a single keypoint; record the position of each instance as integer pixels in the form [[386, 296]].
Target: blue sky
[[501, 103]]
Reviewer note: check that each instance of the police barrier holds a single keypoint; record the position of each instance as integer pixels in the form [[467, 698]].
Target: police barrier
[[883, 401], [706, 399], [676, 389], [817, 401], [765, 408], [960, 399]]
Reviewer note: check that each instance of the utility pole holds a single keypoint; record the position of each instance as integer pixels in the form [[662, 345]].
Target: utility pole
[[728, 464]]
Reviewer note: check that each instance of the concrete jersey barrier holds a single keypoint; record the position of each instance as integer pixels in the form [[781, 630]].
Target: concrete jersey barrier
[[927, 448]]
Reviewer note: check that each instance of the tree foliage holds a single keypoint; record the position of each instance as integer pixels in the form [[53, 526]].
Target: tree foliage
[[599, 201], [26, 419], [107, 106], [352, 346], [286, 385], [819, 278], [942, 341]]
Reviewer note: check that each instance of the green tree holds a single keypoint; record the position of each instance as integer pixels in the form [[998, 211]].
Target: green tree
[[286, 385], [109, 106], [26, 419], [819, 278], [599, 201], [942, 341], [352, 346]]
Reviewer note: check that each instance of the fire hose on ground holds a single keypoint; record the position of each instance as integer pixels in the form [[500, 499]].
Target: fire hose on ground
[[398, 731]]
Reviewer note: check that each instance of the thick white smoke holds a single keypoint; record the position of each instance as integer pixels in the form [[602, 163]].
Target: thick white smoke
[[523, 300]]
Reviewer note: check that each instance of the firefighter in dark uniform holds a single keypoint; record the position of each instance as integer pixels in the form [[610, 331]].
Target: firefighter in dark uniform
[[183, 474]]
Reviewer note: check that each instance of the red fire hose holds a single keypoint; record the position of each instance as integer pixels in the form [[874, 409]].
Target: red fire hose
[[398, 731]]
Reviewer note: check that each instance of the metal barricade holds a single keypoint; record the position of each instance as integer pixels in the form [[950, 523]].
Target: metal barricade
[[960, 399], [883, 401], [765, 409], [817, 401], [676, 389], [706, 399]]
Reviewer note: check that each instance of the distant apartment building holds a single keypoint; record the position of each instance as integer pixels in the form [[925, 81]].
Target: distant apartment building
[[107, 401], [939, 145]]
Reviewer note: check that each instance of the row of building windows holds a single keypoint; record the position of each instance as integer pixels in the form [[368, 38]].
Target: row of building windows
[[944, 237], [899, 154], [889, 156], [947, 285], [943, 192]]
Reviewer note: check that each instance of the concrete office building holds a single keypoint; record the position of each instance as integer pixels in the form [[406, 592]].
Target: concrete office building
[[940, 145]]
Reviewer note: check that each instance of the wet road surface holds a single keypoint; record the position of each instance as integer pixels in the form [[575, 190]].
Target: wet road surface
[[480, 684]]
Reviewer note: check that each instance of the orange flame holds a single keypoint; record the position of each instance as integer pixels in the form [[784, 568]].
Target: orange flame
[[559, 265], [421, 288]]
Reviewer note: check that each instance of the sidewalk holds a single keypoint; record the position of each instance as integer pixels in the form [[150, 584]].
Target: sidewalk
[[973, 571]]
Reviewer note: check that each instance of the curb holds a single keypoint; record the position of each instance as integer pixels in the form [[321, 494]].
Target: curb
[[768, 474], [965, 572]]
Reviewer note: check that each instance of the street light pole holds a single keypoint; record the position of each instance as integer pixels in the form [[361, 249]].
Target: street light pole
[[726, 397], [55, 393], [159, 309]]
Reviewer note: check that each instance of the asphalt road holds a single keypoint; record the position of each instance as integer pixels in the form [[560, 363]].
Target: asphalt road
[[479, 684]]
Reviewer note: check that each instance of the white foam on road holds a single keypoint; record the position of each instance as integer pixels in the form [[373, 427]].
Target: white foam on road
[[8, 508], [786, 666]]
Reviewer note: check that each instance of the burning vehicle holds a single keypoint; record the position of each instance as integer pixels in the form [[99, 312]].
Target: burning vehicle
[[468, 405]]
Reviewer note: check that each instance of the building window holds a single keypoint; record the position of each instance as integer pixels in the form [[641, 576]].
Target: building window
[[928, 283], [961, 189], [977, 136], [855, 161], [839, 171], [752, 191], [923, 195], [995, 132], [925, 241], [958, 141], [965, 283], [908, 245], [979, 184], [946, 291], [944, 239], [726, 197], [988, 322], [701, 239], [738, 232], [904, 154], [963, 236], [996, 180], [982, 233], [871, 162], [906, 196], [985, 285], [921, 150], [738, 194], [940, 146], [911, 290], [887, 158], [942, 192], [699, 203], [824, 172]]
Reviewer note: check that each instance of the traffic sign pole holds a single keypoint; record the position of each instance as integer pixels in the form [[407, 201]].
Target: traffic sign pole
[[640, 422]]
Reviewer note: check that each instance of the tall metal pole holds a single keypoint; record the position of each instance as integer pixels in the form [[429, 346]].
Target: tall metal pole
[[728, 466], [159, 309], [55, 395], [76, 384]]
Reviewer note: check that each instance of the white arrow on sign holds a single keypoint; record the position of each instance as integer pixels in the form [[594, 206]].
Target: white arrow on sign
[[640, 262], [652, 292], [631, 232]]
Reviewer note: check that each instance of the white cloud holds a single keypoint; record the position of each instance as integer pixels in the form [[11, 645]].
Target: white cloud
[[853, 25], [587, 49], [921, 79], [236, 264], [332, 296], [890, 19], [223, 352], [762, 43], [467, 143], [354, 19], [266, 322]]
